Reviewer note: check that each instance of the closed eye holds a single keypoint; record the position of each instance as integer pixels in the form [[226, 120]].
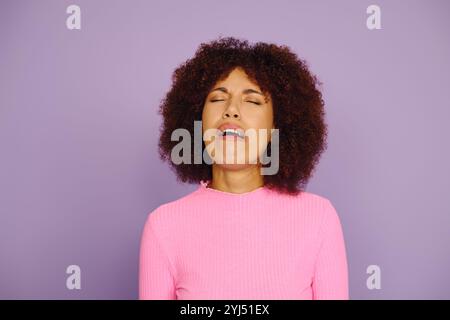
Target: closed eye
[[217, 100]]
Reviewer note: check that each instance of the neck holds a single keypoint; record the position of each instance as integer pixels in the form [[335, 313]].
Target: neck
[[236, 181]]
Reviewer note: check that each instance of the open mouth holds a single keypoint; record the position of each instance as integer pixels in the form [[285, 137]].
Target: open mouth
[[232, 133]]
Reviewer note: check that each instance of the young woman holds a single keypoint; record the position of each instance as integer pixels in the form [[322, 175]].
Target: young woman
[[244, 233]]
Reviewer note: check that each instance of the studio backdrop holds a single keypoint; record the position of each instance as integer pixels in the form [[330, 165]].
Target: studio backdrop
[[80, 86]]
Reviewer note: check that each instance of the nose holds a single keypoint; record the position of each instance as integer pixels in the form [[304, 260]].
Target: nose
[[231, 112]]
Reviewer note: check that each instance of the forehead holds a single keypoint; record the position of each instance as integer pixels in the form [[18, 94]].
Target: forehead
[[237, 77]]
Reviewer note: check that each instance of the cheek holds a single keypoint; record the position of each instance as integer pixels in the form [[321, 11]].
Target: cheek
[[209, 114], [259, 119], [206, 118], [210, 118], [262, 120]]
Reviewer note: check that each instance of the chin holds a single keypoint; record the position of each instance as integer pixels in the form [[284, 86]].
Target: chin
[[234, 167]]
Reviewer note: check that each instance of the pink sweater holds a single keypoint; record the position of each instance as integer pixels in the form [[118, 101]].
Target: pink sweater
[[261, 244]]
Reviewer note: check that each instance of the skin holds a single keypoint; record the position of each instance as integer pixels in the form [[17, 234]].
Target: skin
[[230, 100]]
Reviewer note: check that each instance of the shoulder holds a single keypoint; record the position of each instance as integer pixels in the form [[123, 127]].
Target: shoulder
[[312, 197], [166, 213], [313, 200], [316, 205], [323, 220], [323, 203], [330, 222]]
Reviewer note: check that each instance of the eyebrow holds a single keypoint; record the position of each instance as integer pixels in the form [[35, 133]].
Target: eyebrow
[[246, 91]]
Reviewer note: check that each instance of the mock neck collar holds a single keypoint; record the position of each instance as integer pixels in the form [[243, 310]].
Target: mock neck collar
[[207, 190]]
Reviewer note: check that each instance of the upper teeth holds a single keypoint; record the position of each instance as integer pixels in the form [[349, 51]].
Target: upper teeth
[[232, 131]]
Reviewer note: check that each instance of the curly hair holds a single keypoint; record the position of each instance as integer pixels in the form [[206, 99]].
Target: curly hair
[[298, 106]]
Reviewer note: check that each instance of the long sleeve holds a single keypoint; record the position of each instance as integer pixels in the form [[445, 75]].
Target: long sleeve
[[156, 281], [331, 274]]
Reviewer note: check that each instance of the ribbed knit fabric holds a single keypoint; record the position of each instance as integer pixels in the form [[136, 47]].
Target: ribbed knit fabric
[[261, 244]]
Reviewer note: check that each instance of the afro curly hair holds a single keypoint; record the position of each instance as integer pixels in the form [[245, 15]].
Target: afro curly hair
[[298, 106]]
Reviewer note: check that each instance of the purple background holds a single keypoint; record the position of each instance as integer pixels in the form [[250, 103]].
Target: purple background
[[79, 128]]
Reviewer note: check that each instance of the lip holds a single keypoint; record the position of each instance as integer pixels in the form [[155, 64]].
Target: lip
[[229, 125]]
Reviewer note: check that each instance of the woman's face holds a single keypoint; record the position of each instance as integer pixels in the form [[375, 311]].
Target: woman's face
[[239, 102]]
